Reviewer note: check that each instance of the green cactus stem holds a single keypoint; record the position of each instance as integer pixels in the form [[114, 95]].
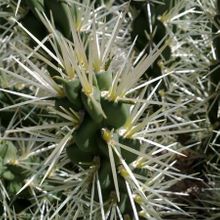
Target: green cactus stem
[[116, 113], [104, 80], [77, 156], [92, 104], [59, 12], [85, 135], [72, 90], [105, 175]]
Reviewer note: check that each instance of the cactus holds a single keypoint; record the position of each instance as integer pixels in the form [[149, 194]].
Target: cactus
[[94, 125]]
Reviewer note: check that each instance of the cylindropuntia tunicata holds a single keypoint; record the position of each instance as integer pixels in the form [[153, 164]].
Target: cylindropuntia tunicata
[[105, 142]]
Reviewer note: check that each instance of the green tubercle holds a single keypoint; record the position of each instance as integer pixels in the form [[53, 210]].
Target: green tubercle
[[92, 104], [104, 80], [85, 135], [77, 156], [72, 89], [59, 12], [105, 175], [116, 113], [8, 151]]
